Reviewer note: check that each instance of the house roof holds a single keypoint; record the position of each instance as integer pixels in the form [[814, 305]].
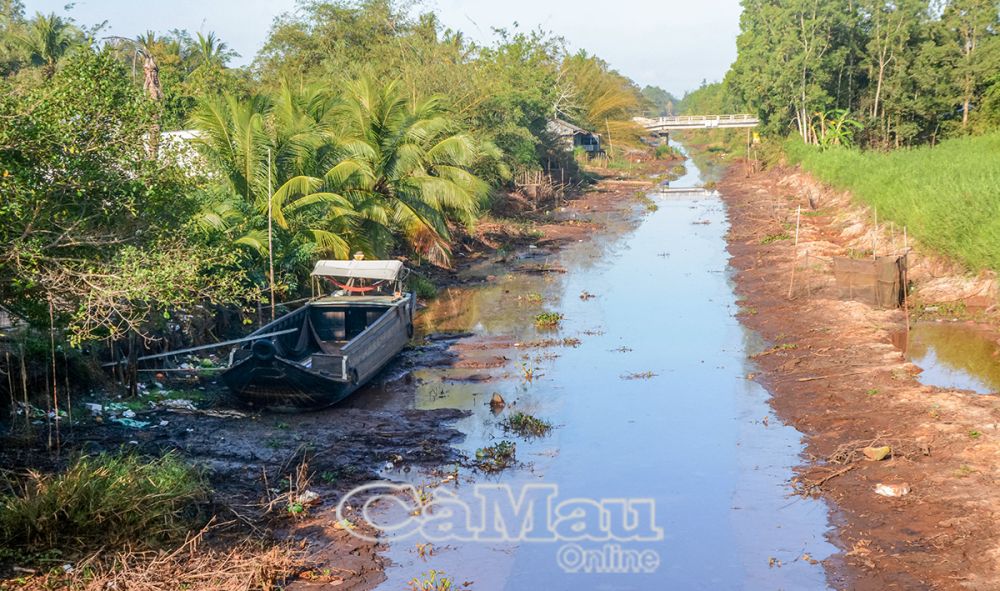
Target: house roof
[[561, 127]]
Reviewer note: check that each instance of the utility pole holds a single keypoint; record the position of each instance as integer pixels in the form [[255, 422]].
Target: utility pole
[[270, 232]]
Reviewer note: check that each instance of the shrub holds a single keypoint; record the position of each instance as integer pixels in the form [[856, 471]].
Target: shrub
[[103, 501], [668, 152]]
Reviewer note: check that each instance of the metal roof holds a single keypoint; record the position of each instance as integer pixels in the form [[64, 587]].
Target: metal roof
[[383, 270], [563, 127]]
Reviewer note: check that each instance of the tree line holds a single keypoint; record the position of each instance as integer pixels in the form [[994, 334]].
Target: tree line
[[883, 74], [360, 126]]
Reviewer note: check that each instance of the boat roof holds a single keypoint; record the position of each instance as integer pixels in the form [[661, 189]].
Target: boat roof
[[384, 270]]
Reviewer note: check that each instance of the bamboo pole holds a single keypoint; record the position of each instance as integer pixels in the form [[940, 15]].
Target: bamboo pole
[[10, 386], [270, 232], [55, 377], [69, 395], [24, 387]]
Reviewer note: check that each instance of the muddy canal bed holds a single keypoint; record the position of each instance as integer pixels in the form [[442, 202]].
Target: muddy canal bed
[[645, 380]]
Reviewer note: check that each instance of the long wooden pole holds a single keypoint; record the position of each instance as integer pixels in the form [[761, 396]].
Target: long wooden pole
[[211, 346], [55, 378], [24, 390], [270, 232], [10, 386]]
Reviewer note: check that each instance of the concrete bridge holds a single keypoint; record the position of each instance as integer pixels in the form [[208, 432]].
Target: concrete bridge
[[678, 123]]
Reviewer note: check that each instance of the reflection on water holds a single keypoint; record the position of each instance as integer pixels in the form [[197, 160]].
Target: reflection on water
[[692, 438], [955, 355]]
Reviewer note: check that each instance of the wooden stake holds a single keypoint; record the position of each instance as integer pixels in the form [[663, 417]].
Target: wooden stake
[[875, 237], [611, 145], [795, 251], [748, 154], [906, 289]]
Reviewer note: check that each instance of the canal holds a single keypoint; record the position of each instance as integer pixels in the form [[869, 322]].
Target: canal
[[647, 386]]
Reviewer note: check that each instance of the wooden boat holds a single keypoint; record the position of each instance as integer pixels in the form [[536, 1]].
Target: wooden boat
[[321, 353]]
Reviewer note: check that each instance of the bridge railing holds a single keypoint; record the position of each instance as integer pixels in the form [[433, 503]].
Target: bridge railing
[[697, 118]]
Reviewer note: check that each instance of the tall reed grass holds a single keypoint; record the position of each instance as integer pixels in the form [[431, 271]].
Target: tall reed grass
[[109, 501], [948, 196]]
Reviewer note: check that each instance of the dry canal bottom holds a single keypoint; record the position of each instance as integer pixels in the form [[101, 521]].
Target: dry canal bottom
[[653, 406]]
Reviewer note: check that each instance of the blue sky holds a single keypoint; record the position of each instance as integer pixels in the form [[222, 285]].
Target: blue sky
[[671, 43]]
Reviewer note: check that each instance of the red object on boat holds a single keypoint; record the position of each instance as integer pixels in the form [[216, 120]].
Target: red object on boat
[[352, 289]]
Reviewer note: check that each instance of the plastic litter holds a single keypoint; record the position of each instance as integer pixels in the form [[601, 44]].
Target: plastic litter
[[134, 424], [308, 497], [892, 490]]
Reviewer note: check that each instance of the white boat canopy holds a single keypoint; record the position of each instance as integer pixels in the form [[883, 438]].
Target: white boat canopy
[[381, 270]]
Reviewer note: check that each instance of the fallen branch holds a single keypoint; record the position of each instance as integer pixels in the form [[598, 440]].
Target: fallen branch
[[808, 486]]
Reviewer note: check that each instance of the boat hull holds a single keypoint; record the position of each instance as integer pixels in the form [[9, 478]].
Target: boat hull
[[284, 386], [309, 368]]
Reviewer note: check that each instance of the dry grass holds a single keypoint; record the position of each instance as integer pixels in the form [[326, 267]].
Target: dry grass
[[249, 565]]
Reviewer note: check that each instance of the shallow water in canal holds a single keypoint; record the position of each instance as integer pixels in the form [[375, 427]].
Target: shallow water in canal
[[954, 355], [697, 439]]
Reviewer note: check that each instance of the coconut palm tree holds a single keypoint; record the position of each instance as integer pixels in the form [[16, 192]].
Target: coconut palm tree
[[211, 52], [406, 169], [47, 38], [269, 151], [357, 172], [605, 101]]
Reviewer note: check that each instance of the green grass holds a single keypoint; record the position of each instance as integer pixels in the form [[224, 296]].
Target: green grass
[[646, 201], [497, 457], [526, 425], [109, 501], [947, 196], [775, 238], [548, 319], [668, 152]]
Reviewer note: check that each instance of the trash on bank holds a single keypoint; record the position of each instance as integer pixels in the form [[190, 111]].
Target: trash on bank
[[308, 497], [134, 424], [178, 404], [892, 490]]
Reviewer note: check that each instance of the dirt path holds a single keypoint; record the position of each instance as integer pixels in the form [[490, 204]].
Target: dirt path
[[836, 377]]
